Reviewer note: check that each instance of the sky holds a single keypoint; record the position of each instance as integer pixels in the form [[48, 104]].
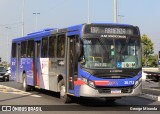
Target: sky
[[62, 13]]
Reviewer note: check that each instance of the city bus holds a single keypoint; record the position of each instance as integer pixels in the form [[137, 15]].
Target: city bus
[[87, 60]]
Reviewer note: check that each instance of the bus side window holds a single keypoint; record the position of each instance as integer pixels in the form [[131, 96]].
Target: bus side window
[[44, 52], [30, 48], [14, 50], [52, 46], [61, 46], [24, 49]]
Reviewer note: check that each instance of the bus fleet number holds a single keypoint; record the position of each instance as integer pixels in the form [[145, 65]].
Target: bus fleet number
[[128, 82]]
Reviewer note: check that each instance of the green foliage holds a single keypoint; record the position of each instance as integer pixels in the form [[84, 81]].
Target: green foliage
[[153, 60], [148, 59]]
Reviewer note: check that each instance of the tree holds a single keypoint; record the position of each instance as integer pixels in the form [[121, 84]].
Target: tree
[[153, 60], [148, 50]]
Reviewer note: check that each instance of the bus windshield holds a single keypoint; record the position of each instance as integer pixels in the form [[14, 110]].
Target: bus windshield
[[99, 53]]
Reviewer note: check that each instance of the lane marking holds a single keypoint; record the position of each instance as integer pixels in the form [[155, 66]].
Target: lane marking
[[6, 89]]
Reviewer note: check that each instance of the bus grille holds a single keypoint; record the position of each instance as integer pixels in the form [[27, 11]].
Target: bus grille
[[108, 90], [114, 77]]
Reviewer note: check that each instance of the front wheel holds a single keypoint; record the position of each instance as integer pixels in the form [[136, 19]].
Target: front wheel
[[63, 96], [25, 86]]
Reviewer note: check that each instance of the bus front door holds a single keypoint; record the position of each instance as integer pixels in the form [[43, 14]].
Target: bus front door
[[71, 63]]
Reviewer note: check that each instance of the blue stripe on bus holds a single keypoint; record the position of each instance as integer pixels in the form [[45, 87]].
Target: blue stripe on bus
[[119, 82]]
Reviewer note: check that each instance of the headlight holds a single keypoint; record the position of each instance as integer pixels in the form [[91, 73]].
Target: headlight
[[84, 80], [137, 82], [88, 82], [91, 84]]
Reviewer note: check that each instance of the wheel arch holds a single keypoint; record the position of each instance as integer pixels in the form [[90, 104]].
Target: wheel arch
[[59, 78], [23, 72]]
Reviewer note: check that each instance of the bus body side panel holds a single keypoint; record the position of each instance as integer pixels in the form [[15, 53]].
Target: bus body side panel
[[13, 68], [38, 73], [21, 69], [53, 81], [29, 71], [78, 83], [44, 78], [59, 70]]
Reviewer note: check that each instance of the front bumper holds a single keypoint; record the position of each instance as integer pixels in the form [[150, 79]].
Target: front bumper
[[87, 91]]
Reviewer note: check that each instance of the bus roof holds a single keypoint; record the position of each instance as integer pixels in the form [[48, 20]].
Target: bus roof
[[48, 31], [37, 34]]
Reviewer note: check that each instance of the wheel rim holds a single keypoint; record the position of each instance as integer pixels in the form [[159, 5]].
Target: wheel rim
[[62, 91]]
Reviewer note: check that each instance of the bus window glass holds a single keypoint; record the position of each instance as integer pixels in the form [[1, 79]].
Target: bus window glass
[[24, 49], [128, 53], [30, 48], [13, 50], [61, 46], [44, 47], [111, 53], [98, 53], [52, 46]]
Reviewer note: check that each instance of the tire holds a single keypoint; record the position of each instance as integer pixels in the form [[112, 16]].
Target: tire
[[24, 84], [6, 78], [63, 96]]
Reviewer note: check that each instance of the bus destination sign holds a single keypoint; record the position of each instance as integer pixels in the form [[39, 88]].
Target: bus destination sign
[[110, 30]]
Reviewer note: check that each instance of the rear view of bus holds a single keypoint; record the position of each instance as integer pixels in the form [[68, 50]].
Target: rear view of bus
[[110, 62]]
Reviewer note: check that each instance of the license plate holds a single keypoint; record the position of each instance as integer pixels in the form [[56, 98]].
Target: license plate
[[115, 91]]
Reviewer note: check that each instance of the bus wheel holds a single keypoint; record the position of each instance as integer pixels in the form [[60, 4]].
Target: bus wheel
[[25, 86], [63, 96]]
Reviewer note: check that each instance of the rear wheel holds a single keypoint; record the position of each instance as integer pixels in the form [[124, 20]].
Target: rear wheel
[[25, 86], [63, 96]]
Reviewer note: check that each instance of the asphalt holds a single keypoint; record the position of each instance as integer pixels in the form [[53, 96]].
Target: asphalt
[[150, 90], [12, 94]]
